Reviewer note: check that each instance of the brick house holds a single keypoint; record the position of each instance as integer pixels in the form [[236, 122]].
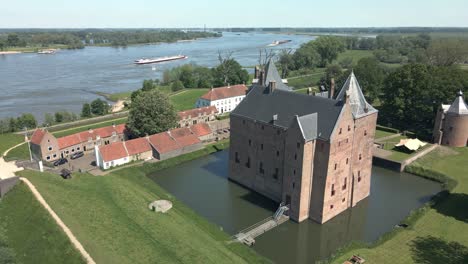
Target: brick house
[[225, 99], [310, 152], [122, 152], [197, 115], [44, 146]]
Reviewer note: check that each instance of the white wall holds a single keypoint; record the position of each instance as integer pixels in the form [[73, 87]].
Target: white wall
[[223, 105], [111, 163]]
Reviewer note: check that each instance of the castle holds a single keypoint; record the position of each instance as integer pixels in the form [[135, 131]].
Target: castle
[[451, 123], [312, 153]]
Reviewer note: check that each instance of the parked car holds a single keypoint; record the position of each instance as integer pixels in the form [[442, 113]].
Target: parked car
[[60, 161], [77, 155]]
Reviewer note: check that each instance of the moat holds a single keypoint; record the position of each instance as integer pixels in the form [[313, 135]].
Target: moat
[[202, 184]]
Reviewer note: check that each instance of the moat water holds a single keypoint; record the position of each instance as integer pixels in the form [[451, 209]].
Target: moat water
[[202, 184], [35, 83]]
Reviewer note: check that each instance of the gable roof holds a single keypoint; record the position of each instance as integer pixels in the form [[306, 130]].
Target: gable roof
[[163, 142], [225, 92], [137, 146], [180, 132], [113, 151], [184, 136], [37, 136], [261, 105], [359, 106], [272, 74], [458, 106], [201, 129], [207, 110], [308, 125], [68, 141]]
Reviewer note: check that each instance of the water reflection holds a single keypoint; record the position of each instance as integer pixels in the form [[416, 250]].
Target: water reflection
[[202, 184]]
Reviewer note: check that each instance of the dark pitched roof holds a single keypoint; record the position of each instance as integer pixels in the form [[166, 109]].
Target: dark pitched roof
[[359, 106], [271, 74], [261, 105], [308, 125]]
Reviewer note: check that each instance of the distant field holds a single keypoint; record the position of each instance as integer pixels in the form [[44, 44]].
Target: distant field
[[186, 99], [35, 49], [355, 55], [30, 231]]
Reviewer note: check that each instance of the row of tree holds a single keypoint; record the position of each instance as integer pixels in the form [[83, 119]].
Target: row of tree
[[97, 107]]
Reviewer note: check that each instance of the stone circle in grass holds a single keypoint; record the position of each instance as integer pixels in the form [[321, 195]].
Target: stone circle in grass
[[160, 206]]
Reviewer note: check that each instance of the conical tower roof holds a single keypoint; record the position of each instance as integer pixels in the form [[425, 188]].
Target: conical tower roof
[[458, 106], [359, 106]]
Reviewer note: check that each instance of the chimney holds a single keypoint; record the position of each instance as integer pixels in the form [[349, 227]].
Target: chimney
[[113, 125], [272, 86], [229, 85], [309, 91], [256, 72], [260, 78], [332, 88], [275, 118]]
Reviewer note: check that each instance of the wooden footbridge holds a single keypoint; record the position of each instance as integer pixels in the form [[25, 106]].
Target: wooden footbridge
[[248, 235]]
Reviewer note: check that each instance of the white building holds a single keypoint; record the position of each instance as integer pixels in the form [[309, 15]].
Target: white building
[[225, 99]]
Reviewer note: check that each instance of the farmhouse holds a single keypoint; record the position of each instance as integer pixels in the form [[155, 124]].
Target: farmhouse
[[197, 115], [225, 99], [312, 153], [451, 124]]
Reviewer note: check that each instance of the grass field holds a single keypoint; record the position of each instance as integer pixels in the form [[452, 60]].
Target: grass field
[[186, 99], [9, 140], [355, 55], [441, 234], [380, 133], [18, 153], [30, 231], [110, 216]]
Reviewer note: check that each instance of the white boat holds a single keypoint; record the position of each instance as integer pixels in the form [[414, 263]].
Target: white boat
[[162, 59], [48, 51], [278, 42]]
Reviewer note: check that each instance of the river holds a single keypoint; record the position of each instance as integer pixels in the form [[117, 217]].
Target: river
[[202, 184], [38, 84]]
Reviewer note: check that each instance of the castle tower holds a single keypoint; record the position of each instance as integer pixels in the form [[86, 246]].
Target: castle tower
[[451, 126]]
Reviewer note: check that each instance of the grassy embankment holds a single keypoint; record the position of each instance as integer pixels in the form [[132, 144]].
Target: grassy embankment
[[31, 232], [110, 217], [438, 233], [35, 48], [9, 140]]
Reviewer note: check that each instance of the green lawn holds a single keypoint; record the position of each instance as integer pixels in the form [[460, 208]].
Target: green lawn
[[9, 140], [74, 130], [398, 154], [381, 134], [355, 55], [441, 234], [186, 99], [18, 153], [110, 217], [31, 232]]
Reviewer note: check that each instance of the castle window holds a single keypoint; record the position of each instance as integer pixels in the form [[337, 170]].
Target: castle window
[[237, 157], [55, 155], [349, 128], [48, 158], [360, 156], [295, 156], [277, 153], [243, 122], [347, 160], [293, 185], [359, 176], [343, 200], [294, 172], [365, 132], [344, 185], [333, 190], [451, 128], [248, 163], [336, 165], [250, 142], [275, 175], [331, 206], [262, 171], [261, 146], [347, 140], [340, 130], [322, 146], [263, 127]]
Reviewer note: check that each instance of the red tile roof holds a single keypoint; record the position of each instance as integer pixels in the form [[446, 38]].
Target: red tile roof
[[188, 140], [225, 92], [163, 143], [180, 132], [113, 151], [201, 129], [207, 110], [69, 141], [37, 136], [137, 146]]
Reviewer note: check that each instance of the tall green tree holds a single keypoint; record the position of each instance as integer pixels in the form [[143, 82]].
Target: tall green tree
[[328, 47], [447, 52], [26, 120], [99, 107], [306, 56], [86, 111], [370, 75], [13, 40], [151, 113], [229, 72]]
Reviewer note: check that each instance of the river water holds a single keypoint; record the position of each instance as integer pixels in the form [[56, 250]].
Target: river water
[[39, 84], [202, 184]]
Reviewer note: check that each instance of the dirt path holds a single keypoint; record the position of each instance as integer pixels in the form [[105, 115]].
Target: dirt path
[[8, 169], [59, 221]]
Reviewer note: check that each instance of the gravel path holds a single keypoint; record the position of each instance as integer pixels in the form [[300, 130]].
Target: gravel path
[[8, 169]]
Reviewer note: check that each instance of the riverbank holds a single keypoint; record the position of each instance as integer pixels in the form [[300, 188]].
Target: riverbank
[[441, 224]]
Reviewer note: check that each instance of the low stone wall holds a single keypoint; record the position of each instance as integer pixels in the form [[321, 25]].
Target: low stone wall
[[7, 184], [400, 166]]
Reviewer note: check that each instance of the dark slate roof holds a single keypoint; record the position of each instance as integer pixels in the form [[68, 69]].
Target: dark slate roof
[[308, 125], [271, 74], [359, 106], [261, 105], [458, 106]]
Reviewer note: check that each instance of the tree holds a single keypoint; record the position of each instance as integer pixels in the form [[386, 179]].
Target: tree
[[49, 119], [99, 107], [151, 113], [58, 117], [447, 52], [229, 71], [13, 40], [86, 110], [328, 47], [177, 86], [306, 56], [148, 85], [187, 77], [26, 120], [370, 75], [285, 61]]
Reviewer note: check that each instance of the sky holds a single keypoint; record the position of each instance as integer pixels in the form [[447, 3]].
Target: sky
[[239, 13]]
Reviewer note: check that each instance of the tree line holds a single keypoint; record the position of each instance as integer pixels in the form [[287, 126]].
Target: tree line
[[81, 38]]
